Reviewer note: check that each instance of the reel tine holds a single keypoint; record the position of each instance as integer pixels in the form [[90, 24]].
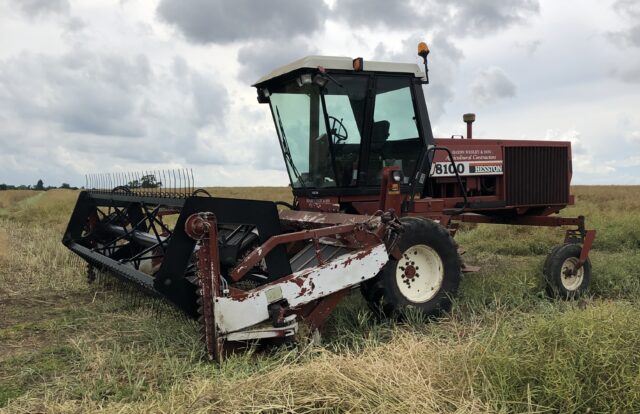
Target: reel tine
[[144, 182], [186, 174], [161, 184], [184, 182], [164, 182], [188, 181], [193, 182], [188, 184], [173, 172], [137, 183], [175, 183], [152, 181], [167, 182]]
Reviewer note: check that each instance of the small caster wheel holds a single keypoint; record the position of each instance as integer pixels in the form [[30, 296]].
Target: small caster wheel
[[563, 281]]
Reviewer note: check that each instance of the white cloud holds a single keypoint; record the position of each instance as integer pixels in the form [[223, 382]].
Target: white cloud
[[633, 137], [583, 160]]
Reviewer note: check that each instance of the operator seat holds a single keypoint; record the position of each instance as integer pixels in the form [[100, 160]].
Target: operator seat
[[379, 136]]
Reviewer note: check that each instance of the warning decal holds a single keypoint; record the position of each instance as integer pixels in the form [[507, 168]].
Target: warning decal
[[484, 160], [446, 168]]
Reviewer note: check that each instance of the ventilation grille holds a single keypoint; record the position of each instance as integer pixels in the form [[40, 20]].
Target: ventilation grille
[[536, 175]]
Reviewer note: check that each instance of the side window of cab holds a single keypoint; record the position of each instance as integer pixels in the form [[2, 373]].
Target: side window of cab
[[394, 135]]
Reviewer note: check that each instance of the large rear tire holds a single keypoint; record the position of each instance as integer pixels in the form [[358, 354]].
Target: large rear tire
[[424, 278]]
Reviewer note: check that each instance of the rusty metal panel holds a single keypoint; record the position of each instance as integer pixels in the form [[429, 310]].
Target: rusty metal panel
[[235, 313]]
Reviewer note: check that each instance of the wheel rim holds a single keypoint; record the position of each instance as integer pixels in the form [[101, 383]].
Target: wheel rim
[[419, 273], [569, 280]]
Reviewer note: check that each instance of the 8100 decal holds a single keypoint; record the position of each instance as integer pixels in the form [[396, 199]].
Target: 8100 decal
[[447, 169]]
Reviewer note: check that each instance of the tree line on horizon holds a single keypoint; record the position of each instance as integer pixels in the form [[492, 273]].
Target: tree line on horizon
[[146, 181], [39, 186]]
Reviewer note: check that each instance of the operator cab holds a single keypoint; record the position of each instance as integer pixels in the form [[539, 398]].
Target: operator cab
[[341, 121]]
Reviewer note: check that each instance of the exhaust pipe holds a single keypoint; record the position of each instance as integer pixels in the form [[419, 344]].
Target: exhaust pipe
[[469, 118]]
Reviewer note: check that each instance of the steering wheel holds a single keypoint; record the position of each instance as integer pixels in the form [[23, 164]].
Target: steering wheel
[[338, 130]]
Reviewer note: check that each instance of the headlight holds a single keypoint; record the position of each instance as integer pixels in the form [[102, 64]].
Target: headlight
[[304, 79]]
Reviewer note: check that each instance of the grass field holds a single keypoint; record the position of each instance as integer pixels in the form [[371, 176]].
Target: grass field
[[505, 347]]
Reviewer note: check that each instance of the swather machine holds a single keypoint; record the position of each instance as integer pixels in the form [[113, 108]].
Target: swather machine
[[377, 201]]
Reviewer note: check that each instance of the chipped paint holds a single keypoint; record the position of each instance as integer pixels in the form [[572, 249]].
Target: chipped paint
[[300, 288]]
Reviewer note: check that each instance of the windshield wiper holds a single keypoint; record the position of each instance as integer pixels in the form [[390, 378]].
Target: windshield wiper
[[333, 80], [286, 151]]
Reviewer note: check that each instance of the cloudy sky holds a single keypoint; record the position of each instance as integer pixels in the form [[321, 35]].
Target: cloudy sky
[[125, 85]]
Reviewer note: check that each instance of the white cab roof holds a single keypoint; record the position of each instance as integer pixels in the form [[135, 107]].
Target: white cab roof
[[344, 63]]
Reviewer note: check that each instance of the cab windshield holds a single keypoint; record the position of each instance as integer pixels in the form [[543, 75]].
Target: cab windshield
[[320, 129]]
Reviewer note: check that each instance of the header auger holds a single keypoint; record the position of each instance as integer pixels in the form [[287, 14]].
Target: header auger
[[377, 202]]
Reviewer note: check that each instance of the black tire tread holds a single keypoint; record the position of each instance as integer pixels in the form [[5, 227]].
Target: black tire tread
[[379, 292], [552, 268]]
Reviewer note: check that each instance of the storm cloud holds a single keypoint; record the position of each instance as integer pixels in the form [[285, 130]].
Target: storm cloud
[[98, 107], [37, 8], [462, 18], [261, 57], [220, 21]]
